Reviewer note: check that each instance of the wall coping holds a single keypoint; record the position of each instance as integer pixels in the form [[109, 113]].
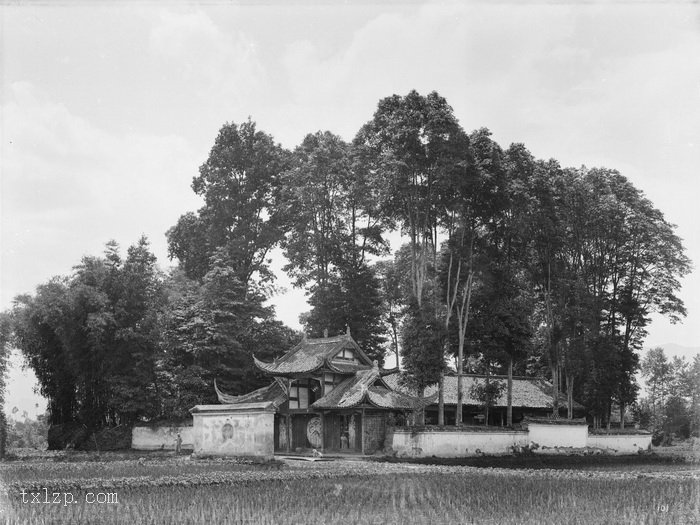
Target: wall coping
[[561, 421], [156, 426], [453, 429], [619, 432], [266, 406]]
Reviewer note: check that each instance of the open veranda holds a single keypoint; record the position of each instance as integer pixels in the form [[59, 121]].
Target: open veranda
[[162, 488]]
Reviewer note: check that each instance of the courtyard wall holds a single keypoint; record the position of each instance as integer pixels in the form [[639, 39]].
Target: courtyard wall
[[162, 437], [245, 429], [540, 437]]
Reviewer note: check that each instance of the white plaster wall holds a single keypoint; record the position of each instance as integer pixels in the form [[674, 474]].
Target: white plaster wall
[[544, 435], [161, 438], [250, 434], [456, 443], [620, 443]]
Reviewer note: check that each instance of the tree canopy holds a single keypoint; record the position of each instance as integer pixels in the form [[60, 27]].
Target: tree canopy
[[509, 263]]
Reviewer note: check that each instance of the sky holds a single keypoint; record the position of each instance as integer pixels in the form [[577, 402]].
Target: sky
[[107, 110]]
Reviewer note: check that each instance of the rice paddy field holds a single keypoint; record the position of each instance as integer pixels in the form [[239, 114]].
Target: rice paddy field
[[168, 489]]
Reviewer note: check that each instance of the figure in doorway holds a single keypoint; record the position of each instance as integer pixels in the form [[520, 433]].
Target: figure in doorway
[[351, 432]]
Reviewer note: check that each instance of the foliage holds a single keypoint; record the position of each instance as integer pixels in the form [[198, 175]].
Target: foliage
[[212, 332], [165, 491], [5, 334], [334, 225], [487, 393], [93, 338], [418, 151], [673, 387], [28, 433], [422, 340], [242, 216], [510, 260]]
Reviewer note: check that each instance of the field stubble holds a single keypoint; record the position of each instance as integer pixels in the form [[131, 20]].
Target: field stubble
[[164, 490]]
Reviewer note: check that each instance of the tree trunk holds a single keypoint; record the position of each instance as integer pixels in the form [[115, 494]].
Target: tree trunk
[[555, 390], [510, 392], [460, 372], [396, 346], [488, 397], [570, 395], [441, 400], [622, 415], [420, 413]]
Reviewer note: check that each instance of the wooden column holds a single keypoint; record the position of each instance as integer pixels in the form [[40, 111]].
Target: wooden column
[[362, 431], [289, 420], [323, 432], [289, 432]]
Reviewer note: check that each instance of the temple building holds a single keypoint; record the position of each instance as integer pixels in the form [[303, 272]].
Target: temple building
[[328, 395], [532, 397]]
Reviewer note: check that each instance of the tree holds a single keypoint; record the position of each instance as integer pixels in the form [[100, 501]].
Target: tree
[[393, 303], [243, 213], [212, 332], [334, 226], [656, 371], [692, 381], [418, 149], [421, 334], [5, 334], [487, 393], [92, 338], [37, 324]]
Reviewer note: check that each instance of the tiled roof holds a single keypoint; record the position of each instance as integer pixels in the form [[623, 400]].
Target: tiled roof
[[528, 392], [311, 354], [273, 393], [385, 398], [366, 386], [347, 368]]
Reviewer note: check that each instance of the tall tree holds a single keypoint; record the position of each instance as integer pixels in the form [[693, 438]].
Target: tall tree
[[242, 212], [419, 152], [93, 338], [656, 370], [5, 335], [212, 332], [334, 226]]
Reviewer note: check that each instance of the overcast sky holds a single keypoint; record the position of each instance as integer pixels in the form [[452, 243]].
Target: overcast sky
[[107, 112]]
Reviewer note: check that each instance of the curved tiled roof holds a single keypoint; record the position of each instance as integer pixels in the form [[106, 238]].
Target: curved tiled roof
[[529, 392], [366, 386], [312, 354], [273, 393]]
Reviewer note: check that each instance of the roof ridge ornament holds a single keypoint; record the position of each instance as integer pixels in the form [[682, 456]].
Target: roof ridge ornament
[[347, 330], [325, 333]]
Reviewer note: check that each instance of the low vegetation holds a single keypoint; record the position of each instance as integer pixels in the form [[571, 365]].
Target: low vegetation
[[167, 490]]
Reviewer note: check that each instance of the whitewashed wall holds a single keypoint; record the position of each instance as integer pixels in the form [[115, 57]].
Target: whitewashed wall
[[620, 443], [551, 438], [574, 436], [456, 443], [161, 438], [233, 430]]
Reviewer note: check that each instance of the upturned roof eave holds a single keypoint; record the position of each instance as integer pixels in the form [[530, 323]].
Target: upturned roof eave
[[272, 368]]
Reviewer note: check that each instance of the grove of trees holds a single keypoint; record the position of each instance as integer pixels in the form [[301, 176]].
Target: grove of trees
[[511, 265], [672, 404]]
